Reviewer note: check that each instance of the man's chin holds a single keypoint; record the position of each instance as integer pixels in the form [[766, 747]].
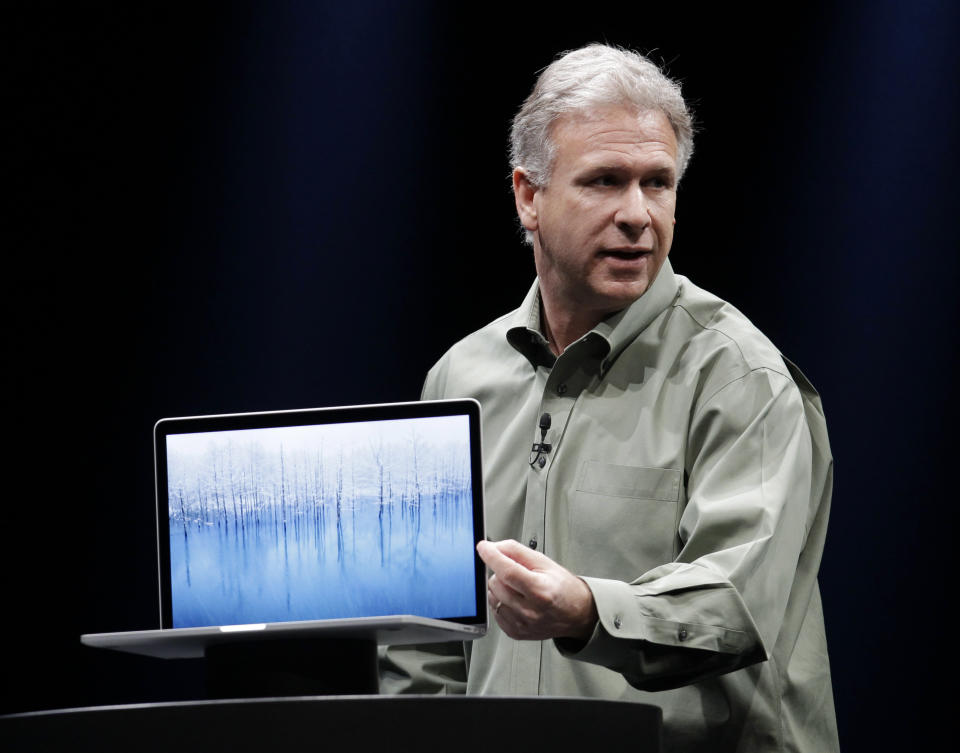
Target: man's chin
[[620, 294]]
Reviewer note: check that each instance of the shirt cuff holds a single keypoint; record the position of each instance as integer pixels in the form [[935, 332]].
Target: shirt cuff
[[622, 616]]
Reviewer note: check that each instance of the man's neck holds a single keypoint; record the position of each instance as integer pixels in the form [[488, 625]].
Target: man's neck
[[561, 328]]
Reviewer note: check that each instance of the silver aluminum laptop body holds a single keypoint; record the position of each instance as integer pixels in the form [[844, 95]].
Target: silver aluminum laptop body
[[348, 522]]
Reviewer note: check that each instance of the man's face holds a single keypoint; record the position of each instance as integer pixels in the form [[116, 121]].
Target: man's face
[[603, 225]]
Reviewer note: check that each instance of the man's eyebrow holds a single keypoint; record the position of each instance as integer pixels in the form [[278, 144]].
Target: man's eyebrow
[[605, 167], [664, 170]]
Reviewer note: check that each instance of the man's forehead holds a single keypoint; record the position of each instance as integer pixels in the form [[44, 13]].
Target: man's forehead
[[613, 129]]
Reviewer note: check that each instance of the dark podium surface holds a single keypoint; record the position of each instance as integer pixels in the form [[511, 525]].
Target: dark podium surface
[[391, 723]]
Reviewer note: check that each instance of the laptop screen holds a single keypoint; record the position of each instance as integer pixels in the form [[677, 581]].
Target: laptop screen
[[317, 515]]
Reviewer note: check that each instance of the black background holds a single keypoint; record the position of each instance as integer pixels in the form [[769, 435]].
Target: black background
[[239, 207]]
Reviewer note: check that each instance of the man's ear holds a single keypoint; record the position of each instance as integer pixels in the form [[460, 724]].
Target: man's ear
[[523, 193]]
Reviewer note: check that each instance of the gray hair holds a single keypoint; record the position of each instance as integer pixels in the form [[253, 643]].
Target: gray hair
[[589, 77]]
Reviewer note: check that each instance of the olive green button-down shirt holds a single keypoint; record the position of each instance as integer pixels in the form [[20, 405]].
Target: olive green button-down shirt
[[688, 484]]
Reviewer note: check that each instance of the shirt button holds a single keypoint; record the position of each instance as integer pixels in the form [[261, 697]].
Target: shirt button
[[617, 622], [561, 388], [533, 543], [682, 635], [541, 461]]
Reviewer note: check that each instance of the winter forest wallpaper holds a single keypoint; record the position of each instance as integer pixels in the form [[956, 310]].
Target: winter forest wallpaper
[[321, 521]]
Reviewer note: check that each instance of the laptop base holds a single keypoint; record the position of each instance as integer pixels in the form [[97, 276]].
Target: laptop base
[[292, 667]]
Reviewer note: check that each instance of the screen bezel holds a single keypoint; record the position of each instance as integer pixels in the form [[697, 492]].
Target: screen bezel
[[317, 416]]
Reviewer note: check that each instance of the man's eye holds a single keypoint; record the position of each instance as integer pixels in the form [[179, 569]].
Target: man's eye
[[605, 180]]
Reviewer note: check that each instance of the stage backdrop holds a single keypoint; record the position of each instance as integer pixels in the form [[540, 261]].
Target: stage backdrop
[[261, 206]]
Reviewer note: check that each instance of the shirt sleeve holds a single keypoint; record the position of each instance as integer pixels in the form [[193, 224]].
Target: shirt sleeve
[[719, 606]]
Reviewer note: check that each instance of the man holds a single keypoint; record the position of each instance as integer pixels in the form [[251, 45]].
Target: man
[[673, 523]]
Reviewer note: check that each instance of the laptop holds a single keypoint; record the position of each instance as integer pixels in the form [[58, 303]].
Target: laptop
[[353, 522]]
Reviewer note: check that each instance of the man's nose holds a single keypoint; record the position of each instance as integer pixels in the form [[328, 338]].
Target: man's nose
[[633, 213]]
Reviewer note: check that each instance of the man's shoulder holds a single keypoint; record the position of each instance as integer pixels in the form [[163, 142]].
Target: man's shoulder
[[723, 330], [480, 342], [472, 362]]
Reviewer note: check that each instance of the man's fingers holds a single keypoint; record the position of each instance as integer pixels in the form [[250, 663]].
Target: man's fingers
[[510, 619], [508, 550], [502, 592], [533, 597], [524, 555], [510, 571], [490, 553]]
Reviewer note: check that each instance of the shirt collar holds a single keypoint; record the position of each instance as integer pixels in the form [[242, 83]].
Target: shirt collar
[[616, 331], [525, 333], [622, 328]]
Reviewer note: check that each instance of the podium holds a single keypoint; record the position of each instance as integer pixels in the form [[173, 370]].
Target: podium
[[462, 724]]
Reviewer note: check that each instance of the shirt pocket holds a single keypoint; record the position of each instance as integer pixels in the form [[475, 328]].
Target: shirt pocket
[[623, 519]]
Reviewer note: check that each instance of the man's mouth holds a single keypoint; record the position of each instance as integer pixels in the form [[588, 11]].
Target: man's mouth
[[624, 253]]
